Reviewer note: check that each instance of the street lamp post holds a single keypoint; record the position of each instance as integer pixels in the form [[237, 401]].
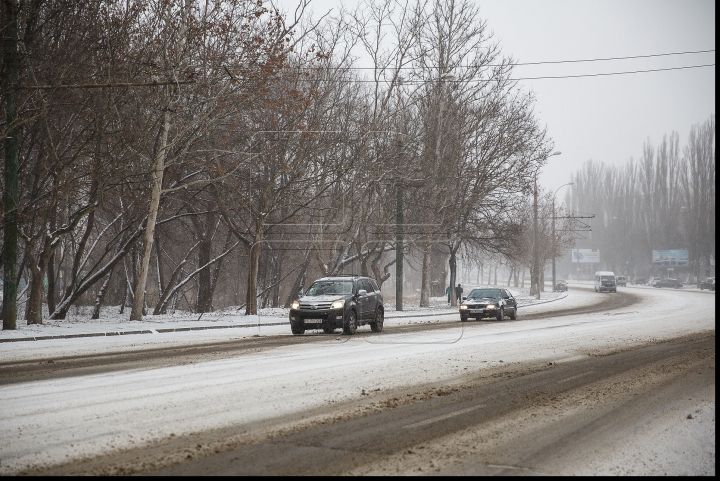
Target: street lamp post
[[536, 256], [554, 252]]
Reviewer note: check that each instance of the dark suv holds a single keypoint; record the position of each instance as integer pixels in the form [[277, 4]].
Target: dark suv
[[339, 302]]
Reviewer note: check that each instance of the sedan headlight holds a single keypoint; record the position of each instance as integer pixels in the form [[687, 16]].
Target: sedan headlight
[[491, 306], [463, 307], [295, 305], [338, 304]]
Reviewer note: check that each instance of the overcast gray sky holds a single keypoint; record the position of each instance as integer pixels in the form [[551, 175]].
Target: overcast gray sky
[[605, 118]]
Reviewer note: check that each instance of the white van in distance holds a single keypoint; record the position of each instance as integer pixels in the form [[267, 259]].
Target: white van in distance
[[605, 281]]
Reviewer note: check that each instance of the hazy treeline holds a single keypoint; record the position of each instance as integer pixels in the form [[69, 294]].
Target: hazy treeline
[[665, 200], [203, 154]]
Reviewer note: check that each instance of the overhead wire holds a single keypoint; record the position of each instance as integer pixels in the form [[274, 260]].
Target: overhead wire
[[551, 62]]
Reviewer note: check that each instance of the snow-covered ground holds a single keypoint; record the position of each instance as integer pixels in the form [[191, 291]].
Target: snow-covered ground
[[45, 422]]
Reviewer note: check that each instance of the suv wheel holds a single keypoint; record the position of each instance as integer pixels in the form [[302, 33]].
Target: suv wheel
[[297, 328], [350, 324], [378, 321], [513, 316], [501, 314]]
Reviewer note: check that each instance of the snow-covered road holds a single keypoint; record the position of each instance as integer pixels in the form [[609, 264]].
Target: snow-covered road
[[47, 422]]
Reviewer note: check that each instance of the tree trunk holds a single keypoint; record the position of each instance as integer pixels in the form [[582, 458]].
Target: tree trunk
[[100, 296], [139, 298], [299, 280], [453, 272], [204, 300], [37, 293], [425, 282], [51, 284], [277, 275], [123, 301], [161, 306], [251, 298], [11, 63]]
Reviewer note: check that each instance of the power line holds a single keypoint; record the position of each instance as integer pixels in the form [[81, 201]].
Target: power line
[[545, 62], [615, 73], [531, 78], [616, 58], [108, 85]]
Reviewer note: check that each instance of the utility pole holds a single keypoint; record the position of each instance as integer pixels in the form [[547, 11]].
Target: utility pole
[[10, 195], [554, 248], [399, 235], [536, 255], [536, 261]]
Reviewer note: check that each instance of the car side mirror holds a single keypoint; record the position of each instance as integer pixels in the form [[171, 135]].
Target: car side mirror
[[362, 292], [464, 298]]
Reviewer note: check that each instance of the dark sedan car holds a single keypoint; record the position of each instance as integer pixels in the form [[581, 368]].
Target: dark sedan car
[[708, 284], [669, 282], [488, 302]]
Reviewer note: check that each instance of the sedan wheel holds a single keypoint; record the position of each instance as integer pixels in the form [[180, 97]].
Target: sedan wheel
[[501, 314], [513, 316]]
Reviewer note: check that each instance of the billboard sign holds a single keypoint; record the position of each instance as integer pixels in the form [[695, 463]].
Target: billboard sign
[[671, 258], [586, 255]]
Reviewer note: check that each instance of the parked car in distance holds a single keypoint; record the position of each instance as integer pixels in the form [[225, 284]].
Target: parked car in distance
[[339, 302], [639, 281], [654, 281], [621, 281], [669, 282], [488, 302], [708, 284], [561, 286]]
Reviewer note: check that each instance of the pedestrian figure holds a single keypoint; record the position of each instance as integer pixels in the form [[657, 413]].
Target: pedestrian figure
[[448, 291], [458, 292]]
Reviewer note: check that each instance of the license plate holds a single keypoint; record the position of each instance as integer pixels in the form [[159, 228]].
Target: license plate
[[475, 311]]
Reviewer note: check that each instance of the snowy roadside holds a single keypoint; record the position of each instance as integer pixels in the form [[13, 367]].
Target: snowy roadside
[[111, 323]]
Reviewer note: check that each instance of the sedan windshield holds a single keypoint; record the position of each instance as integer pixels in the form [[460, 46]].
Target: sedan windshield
[[483, 293], [322, 288]]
